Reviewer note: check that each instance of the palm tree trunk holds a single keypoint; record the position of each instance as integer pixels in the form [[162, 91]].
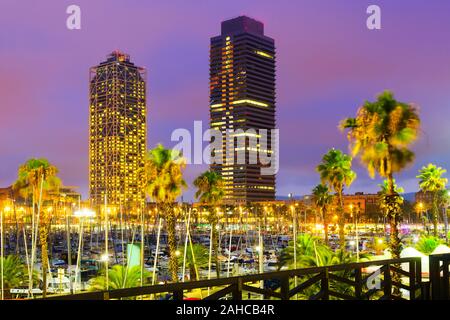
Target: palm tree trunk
[[435, 215], [394, 219], [445, 216], [341, 221], [215, 248], [43, 235], [173, 259], [325, 225]]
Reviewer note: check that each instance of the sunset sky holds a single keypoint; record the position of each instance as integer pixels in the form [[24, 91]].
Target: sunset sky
[[328, 64]]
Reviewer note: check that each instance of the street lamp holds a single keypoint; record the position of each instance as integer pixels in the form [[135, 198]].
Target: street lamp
[[104, 258], [356, 231], [5, 210], [422, 216], [81, 214], [294, 236]]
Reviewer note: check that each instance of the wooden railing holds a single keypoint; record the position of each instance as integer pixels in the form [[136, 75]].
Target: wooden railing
[[346, 282], [439, 279]]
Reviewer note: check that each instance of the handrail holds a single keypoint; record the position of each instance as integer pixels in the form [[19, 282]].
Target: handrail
[[237, 281], [439, 263]]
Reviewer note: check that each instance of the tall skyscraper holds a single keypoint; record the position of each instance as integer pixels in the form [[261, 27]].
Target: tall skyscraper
[[242, 96], [117, 131]]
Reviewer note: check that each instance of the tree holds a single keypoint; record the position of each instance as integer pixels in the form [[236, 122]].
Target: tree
[[323, 200], [164, 184], [381, 134], [119, 277], [443, 202], [309, 251], [210, 191], [336, 172], [431, 180], [15, 272], [35, 178], [194, 262], [312, 252]]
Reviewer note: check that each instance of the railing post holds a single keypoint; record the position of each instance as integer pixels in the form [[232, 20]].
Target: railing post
[[387, 281], [415, 280], [358, 284], [237, 290], [178, 295], [284, 288], [325, 285], [435, 278], [445, 279]]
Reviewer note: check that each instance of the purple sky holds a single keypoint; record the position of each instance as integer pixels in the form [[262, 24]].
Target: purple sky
[[328, 63]]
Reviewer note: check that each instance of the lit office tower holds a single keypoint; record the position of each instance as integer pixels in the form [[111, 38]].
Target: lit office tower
[[118, 131], [242, 96]]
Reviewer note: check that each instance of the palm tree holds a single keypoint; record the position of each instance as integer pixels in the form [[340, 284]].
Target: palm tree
[[443, 202], [35, 178], [210, 191], [381, 134], [15, 273], [431, 180], [336, 172], [312, 252], [164, 184], [309, 250], [323, 200], [194, 262], [119, 277]]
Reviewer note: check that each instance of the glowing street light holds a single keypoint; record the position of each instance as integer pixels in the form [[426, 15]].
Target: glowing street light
[[104, 257], [84, 213]]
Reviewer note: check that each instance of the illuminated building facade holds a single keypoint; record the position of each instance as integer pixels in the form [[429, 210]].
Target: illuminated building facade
[[242, 96], [117, 131]]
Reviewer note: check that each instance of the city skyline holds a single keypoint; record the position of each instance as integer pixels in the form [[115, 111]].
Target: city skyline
[[318, 72]]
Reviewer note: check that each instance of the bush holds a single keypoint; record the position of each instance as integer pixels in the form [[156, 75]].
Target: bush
[[427, 244]]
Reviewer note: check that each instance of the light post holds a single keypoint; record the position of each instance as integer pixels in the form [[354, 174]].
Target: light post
[[106, 255], [294, 236], [5, 210], [446, 221], [422, 217], [81, 214], [357, 233], [356, 230]]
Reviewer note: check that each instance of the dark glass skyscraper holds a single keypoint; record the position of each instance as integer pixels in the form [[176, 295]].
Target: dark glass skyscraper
[[242, 96], [118, 131]]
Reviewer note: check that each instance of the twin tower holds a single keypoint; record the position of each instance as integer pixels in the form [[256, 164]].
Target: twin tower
[[242, 96]]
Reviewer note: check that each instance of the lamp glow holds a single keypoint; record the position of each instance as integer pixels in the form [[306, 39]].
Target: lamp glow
[[104, 257], [84, 213]]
